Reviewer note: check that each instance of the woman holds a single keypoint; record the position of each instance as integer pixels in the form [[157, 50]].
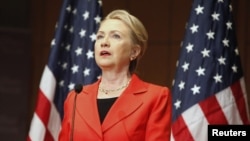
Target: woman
[[119, 106]]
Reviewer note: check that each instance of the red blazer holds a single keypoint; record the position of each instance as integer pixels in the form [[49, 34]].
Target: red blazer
[[141, 113]]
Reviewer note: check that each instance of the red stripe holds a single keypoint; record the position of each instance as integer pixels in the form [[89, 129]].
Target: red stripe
[[212, 111], [180, 130], [240, 101], [28, 138], [48, 136], [43, 107]]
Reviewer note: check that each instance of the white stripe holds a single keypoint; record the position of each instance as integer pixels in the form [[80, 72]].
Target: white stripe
[[172, 137], [48, 83], [196, 122], [243, 87], [54, 124], [37, 129], [228, 106]]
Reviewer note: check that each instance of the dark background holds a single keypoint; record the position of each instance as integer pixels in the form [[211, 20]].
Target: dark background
[[27, 28]]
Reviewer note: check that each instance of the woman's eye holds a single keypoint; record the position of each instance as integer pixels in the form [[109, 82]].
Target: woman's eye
[[116, 36], [99, 37]]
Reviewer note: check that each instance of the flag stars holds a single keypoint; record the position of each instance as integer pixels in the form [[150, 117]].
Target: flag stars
[[93, 37], [215, 16], [194, 28], [195, 89], [68, 8], [61, 83], [56, 25], [189, 47], [90, 54], [86, 72], [78, 51], [225, 42], [65, 26], [53, 42], [200, 71], [181, 43], [74, 11], [173, 82], [205, 53], [217, 78], [229, 25], [97, 19], [177, 63], [181, 85], [177, 104], [222, 60], [100, 2], [68, 47], [234, 68], [210, 34], [75, 69], [99, 76], [71, 30], [236, 51], [64, 65], [71, 86], [199, 10], [85, 15], [82, 33], [185, 66], [230, 8]]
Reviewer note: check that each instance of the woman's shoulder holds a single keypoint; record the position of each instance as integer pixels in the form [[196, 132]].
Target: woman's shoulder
[[150, 86], [157, 87]]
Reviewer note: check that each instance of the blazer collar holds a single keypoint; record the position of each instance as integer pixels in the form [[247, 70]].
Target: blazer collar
[[125, 105]]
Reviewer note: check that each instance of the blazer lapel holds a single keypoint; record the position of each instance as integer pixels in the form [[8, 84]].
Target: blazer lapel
[[87, 107], [126, 104]]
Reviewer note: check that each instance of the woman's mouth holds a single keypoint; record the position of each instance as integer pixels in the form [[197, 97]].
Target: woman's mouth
[[104, 53]]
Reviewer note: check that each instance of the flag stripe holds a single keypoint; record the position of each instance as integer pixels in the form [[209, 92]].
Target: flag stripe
[[180, 130], [43, 108], [37, 129], [48, 83], [228, 104], [54, 124], [240, 100], [194, 117], [211, 107], [48, 136], [243, 86]]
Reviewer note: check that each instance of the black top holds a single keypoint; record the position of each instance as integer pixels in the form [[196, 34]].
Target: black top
[[103, 106]]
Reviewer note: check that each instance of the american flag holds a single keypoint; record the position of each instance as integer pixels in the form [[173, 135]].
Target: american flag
[[209, 86], [71, 62]]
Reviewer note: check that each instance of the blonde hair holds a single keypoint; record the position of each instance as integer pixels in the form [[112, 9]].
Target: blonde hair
[[139, 34]]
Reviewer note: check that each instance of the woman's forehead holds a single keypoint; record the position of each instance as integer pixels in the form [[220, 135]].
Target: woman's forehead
[[113, 24]]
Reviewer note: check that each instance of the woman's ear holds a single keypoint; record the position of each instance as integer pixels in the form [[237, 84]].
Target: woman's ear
[[135, 52]]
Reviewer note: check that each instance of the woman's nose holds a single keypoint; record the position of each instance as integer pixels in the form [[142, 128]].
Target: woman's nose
[[105, 42]]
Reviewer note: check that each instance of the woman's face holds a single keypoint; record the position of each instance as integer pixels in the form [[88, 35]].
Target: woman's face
[[113, 46]]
